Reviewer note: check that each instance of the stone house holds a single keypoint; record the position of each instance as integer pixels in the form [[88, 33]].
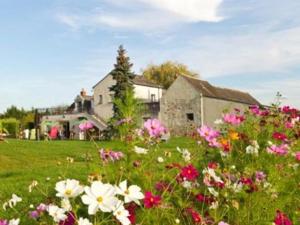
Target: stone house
[[191, 102]]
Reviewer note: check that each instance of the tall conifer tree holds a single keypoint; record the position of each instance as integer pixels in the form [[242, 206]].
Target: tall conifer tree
[[123, 76]]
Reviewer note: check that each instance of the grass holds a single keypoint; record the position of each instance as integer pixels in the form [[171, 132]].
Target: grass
[[25, 161]]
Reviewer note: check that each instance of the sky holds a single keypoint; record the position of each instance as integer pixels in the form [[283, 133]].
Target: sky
[[50, 49]]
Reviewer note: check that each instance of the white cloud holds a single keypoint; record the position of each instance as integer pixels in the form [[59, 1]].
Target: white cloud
[[144, 14], [244, 53], [190, 10]]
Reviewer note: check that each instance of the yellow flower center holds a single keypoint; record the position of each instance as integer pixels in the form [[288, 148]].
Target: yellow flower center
[[151, 199], [126, 192], [99, 199], [68, 192]]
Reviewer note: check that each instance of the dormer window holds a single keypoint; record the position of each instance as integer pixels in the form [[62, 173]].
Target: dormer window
[[100, 99]]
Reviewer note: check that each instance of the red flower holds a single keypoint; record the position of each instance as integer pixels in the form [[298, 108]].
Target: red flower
[[71, 218], [189, 173], [195, 215], [213, 165], [131, 209], [151, 200], [279, 136], [206, 199], [282, 219]]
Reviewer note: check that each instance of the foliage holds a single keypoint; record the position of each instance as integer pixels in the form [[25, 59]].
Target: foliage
[[167, 72], [11, 125], [14, 112], [130, 113], [245, 171], [123, 76]]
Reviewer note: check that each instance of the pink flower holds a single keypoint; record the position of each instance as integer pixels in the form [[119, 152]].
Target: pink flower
[[189, 173], [297, 156], [108, 155], [233, 118], [210, 135], [222, 223], [282, 219], [86, 126], [151, 200], [3, 222], [278, 150], [154, 128], [260, 176]]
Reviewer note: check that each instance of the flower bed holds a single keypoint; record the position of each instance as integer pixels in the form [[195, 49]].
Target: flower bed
[[243, 171]]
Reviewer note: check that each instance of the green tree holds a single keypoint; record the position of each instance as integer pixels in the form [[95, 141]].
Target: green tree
[[165, 73], [123, 76], [129, 110], [14, 112]]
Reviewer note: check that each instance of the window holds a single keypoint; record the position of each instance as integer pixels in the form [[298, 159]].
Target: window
[[153, 98], [190, 117], [100, 99]]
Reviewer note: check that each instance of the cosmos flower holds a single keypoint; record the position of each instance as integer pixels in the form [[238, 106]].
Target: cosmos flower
[[131, 194], [282, 219], [154, 128], [99, 196], [151, 200], [58, 214], [189, 173], [121, 213], [83, 221], [68, 188]]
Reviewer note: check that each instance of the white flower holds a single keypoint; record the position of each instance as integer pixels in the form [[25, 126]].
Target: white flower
[[57, 213], [237, 187], [99, 196], [160, 159], [186, 155], [14, 222], [177, 221], [253, 148], [218, 121], [213, 191], [32, 185], [14, 200], [68, 188], [214, 205], [211, 173], [132, 193], [187, 184], [121, 213], [65, 204], [140, 150], [83, 221]]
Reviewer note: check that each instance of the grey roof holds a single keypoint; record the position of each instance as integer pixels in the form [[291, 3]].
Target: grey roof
[[138, 80], [211, 91]]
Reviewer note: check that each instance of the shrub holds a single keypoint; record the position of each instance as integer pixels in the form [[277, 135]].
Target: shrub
[[12, 126]]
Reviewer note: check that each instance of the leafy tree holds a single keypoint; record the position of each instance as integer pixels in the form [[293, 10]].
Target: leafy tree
[[167, 72], [123, 76], [14, 112]]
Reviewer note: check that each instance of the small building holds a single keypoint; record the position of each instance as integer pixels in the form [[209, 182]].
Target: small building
[[190, 102]]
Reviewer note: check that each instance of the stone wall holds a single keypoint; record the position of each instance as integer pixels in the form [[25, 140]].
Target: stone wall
[[213, 109], [180, 100]]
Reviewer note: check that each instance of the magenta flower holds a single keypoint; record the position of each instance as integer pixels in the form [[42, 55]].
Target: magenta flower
[[3, 222], [154, 128], [278, 150], [282, 219], [260, 176], [71, 219], [189, 172], [233, 118], [86, 126], [151, 200], [297, 156]]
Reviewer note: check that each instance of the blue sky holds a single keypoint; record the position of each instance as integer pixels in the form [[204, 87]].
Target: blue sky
[[50, 49]]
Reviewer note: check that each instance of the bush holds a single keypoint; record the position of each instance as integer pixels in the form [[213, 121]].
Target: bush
[[12, 126]]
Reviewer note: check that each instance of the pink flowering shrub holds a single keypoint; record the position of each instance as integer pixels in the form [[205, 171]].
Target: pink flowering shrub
[[242, 171]]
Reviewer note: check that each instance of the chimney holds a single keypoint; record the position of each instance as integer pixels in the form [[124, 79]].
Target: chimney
[[83, 92]]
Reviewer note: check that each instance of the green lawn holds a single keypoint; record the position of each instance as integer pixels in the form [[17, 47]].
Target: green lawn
[[25, 161]]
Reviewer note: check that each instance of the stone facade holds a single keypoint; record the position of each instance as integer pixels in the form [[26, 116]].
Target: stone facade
[[180, 101], [190, 103]]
